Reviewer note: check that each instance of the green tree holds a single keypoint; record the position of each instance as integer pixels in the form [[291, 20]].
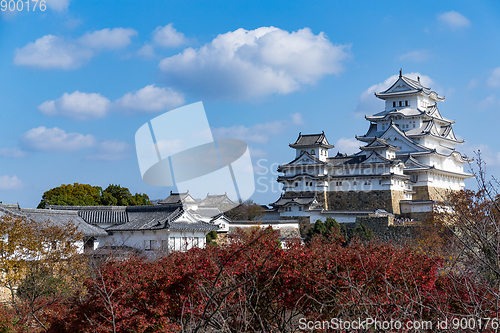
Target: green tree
[[88, 195], [248, 211], [329, 228], [72, 195], [211, 237], [362, 232]]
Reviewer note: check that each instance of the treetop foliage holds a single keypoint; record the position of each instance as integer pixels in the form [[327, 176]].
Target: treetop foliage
[[247, 211], [87, 195]]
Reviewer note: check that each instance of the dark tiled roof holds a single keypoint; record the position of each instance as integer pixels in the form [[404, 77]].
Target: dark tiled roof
[[175, 198], [378, 143], [349, 159], [159, 217], [98, 214], [217, 200], [58, 218], [310, 140], [206, 211], [293, 200]]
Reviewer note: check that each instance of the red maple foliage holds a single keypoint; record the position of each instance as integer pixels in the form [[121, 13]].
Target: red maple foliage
[[252, 284]]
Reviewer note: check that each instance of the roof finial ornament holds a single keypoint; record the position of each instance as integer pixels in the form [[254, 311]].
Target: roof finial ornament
[[400, 72], [418, 78]]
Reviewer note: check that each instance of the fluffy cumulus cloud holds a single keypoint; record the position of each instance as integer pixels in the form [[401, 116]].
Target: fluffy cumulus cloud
[[347, 145], [12, 152], [368, 104], [58, 5], [111, 150], [168, 36], [150, 99], [108, 38], [77, 105], [55, 140], [494, 79], [10, 183], [416, 56], [242, 64], [454, 20], [51, 51], [258, 133]]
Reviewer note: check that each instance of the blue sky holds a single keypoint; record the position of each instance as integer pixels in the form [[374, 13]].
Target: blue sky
[[78, 79]]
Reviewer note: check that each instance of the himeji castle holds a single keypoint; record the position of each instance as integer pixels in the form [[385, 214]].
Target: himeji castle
[[407, 160]]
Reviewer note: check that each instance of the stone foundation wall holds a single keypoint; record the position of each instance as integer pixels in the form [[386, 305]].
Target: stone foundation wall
[[419, 216], [304, 223], [357, 200], [383, 228], [221, 238], [430, 193]]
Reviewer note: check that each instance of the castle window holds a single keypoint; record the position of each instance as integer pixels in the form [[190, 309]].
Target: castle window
[[394, 104], [296, 184], [406, 103], [149, 245], [400, 103], [300, 208], [368, 182], [339, 183], [312, 152]]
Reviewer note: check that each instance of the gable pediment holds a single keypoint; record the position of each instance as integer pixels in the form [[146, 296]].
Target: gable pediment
[[375, 158], [396, 138], [305, 158], [399, 86]]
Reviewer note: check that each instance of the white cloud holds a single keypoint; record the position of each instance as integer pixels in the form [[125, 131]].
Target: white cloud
[[257, 153], [487, 103], [147, 51], [52, 51], [488, 155], [472, 83], [244, 64], [368, 104], [494, 79], [258, 133], [58, 5], [168, 36], [347, 146], [111, 150], [12, 152], [77, 105], [110, 39], [55, 140], [151, 99], [454, 20], [10, 183], [416, 56]]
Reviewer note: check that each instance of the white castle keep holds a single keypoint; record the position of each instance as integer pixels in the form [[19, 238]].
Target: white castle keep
[[406, 162]]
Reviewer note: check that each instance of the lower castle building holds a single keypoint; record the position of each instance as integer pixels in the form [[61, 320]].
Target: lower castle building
[[407, 160]]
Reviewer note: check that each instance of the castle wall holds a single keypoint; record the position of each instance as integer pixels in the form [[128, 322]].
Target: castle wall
[[357, 200], [430, 193]]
